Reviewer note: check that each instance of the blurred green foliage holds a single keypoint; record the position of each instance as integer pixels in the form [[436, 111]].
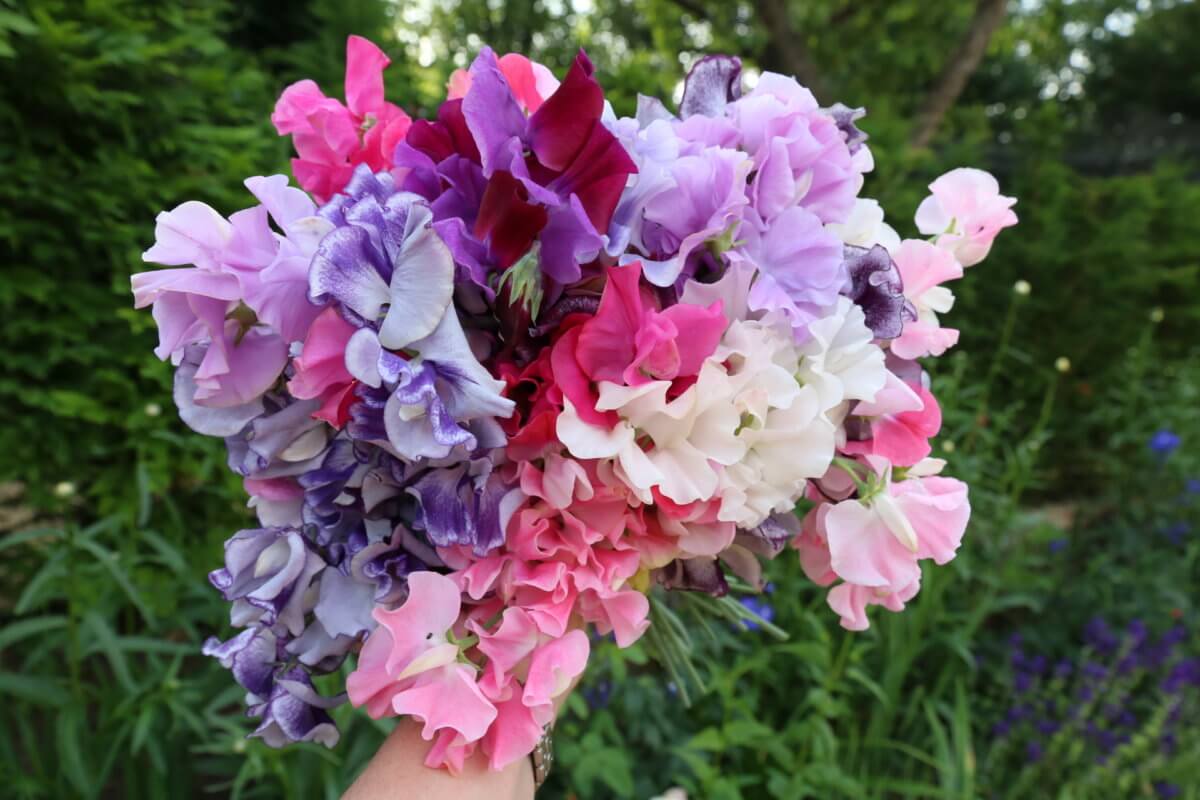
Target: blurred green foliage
[[113, 512]]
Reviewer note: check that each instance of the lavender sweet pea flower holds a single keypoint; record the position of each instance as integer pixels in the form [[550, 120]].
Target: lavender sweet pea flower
[[800, 265], [800, 154], [266, 576], [705, 202], [281, 442], [244, 294], [205, 419], [294, 712], [875, 285]]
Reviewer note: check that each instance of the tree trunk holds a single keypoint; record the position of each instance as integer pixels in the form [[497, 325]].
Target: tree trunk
[[785, 52], [989, 14]]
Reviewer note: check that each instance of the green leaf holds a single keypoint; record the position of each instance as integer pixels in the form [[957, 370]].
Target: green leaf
[[110, 561], [40, 691], [31, 626]]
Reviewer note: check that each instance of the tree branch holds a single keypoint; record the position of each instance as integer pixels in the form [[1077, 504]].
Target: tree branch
[[785, 52], [989, 15], [693, 7]]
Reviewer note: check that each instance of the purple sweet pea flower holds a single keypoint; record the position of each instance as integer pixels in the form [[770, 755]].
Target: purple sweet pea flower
[[875, 285], [712, 83], [266, 576], [440, 402], [282, 442], [465, 505], [694, 575], [251, 656], [845, 118], [294, 712], [387, 268]]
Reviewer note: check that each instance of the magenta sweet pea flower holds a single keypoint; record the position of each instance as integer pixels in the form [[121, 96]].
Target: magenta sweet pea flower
[[332, 138]]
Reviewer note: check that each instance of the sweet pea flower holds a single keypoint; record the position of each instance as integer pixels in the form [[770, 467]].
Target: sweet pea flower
[[331, 138], [527, 671], [902, 420], [244, 297], [800, 265], [865, 227], [409, 666], [266, 576], [320, 370], [965, 212], [800, 154], [923, 268], [531, 82], [501, 182], [875, 543], [629, 341], [705, 200]]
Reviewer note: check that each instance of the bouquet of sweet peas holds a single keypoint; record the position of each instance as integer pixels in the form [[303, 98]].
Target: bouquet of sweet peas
[[494, 378]]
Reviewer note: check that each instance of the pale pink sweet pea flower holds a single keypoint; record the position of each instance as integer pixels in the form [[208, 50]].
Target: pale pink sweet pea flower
[[408, 666], [849, 601], [331, 138], [966, 212], [875, 544], [530, 81], [924, 268]]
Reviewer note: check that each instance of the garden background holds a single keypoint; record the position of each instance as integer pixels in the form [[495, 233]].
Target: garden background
[[1058, 656]]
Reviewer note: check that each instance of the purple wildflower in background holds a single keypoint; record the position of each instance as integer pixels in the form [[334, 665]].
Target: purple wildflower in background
[[1166, 790], [1176, 531], [760, 607], [1164, 442], [1058, 545]]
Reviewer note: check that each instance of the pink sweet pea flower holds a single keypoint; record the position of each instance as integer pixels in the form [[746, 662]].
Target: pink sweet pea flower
[[332, 138], [923, 268], [903, 419], [875, 545], [966, 212], [409, 667], [531, 82], [321, 367], [631, 342], [527, 672], [849, 601]]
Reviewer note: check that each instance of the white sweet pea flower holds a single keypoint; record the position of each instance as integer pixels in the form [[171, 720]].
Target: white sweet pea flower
[[865, 227]]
